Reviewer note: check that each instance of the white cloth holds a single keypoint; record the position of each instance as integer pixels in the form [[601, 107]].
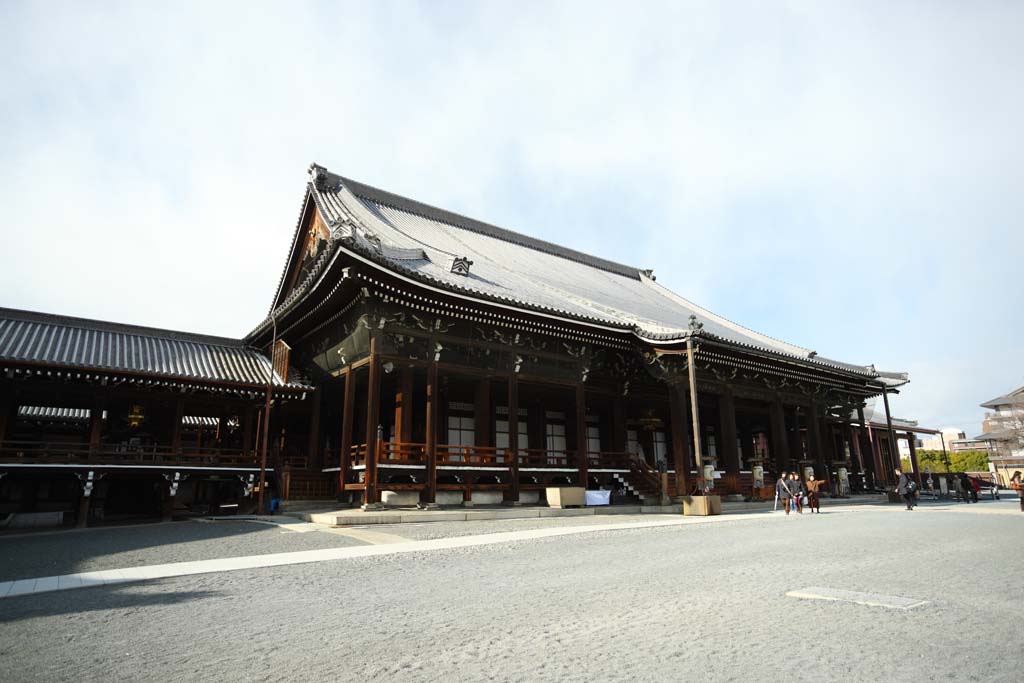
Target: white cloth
[[597, 498]]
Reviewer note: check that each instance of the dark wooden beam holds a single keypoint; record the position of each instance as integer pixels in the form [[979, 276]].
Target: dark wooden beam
[[179, 415], [780, 448], [483, 416], [313, 447], [430, 491], [404, 406], [581, 434], [680, 435], [727, 429], [512, 493], [372, 495]]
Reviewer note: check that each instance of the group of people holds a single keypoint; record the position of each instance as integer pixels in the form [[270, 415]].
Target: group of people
[[793, 492]]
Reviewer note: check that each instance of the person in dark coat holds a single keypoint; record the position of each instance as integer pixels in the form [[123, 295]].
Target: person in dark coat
[[965, 488], [905, 488], [784, 491], [796, 487]]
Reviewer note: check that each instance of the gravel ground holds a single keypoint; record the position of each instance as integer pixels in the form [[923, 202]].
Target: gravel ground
[[695, 601], [66, 552]]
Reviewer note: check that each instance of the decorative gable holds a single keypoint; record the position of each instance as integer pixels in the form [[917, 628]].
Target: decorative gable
[[459, 265]]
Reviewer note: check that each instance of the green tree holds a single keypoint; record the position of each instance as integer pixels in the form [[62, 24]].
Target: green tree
[[969, 461]]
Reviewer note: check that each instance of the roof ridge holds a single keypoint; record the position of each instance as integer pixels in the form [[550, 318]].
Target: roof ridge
[[431, 212], [110, 326]]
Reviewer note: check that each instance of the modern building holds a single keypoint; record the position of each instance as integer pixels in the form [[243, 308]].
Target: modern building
[[417, 356], [1003, 434]]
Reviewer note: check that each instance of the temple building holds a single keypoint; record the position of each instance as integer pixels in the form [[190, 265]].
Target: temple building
[[415, 356]]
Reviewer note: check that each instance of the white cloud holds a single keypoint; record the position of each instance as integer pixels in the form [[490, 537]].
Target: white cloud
[[845, 177]]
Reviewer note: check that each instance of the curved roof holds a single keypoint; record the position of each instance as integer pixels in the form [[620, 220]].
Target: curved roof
[[421, 241], [30, 337]]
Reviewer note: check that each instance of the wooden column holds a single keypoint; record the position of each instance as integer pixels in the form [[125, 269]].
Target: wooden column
[[512, 493], [313, 447], [7, 407], [430, 437], [96, 425], [482, 415], [680, 435], [913, 458], [347, 420], [179, 415], [727, 429], [796, 453], [867, 464], [372, 495], [746, 444], [618, 435], [581, 434], [780, 449], [894, 452], [694, 411], [404, 407], [815, 447]]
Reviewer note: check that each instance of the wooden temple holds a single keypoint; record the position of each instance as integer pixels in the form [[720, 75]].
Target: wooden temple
[[420, 357]]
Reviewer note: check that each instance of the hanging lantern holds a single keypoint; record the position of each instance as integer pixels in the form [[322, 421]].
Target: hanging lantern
[[650, 422], [135, 416]]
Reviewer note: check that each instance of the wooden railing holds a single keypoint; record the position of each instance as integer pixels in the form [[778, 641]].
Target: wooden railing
[[389, 453], [609, 460], [357, 455], [32, 452], [538, 457], [473, 456]]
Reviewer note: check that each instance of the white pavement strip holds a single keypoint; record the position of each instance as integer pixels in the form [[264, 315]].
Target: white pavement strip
[[10, 589], [871, 599]]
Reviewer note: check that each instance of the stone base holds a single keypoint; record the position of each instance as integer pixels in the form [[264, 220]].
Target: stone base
[[372, 507], [702, 506], [429, 506]]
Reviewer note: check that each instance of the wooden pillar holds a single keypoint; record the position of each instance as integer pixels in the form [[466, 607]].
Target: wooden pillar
[[482, 415], [727, 430], [404, 407], [694, 411], [780, 449], [680, 435], [347, 420], [581, 434], [313, 447], [430, 447], [894, 452], [815, 447], [7, 407], [913, 458], [618, 435], [179, 415], [96, 426], [372, 495], [247, 429], [512, 493], [796, 453], [746, 445], [867, 463]]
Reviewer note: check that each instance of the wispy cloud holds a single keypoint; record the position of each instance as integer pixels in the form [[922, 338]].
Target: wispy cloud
[[845, 177]]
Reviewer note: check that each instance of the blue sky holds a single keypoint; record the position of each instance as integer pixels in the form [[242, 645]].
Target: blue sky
[[844, 176]]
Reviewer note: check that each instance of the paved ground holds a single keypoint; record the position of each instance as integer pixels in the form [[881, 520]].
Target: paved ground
[[696, 601]]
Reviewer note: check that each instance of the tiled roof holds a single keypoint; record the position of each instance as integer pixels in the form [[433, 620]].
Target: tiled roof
[[29, 337], [514, 269]]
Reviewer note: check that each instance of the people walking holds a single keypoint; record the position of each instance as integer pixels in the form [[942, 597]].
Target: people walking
[[975, 488], [906, 487], [813, 493], [965, 487], [796, 487], [783, 491], [1018, 486]]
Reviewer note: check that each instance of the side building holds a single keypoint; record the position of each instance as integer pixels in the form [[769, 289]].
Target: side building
[[423, 357]]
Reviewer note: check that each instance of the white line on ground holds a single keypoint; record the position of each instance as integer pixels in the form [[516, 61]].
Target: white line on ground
[[161, 571], [870, 599]]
